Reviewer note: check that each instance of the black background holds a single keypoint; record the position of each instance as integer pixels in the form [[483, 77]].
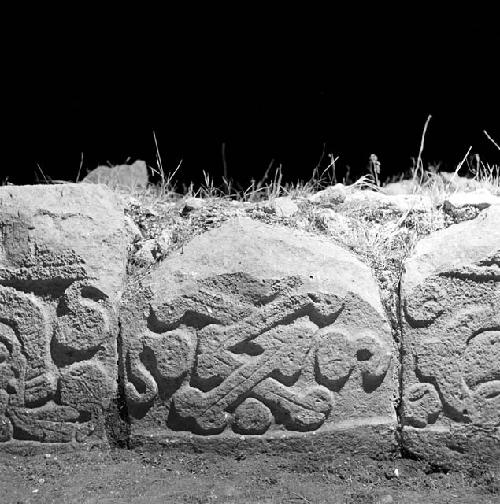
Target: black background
[[271, 92]]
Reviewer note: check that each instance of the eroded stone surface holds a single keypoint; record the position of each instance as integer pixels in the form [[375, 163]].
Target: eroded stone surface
[[63, 253], [451, 339], [256, 330]]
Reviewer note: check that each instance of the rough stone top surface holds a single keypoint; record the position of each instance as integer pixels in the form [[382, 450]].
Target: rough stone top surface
[[454, 247], [64, 198], [265, 251], [120, 177], [80, 224]]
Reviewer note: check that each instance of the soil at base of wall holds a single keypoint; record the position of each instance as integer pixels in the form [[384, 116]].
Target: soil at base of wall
[[137, 476]]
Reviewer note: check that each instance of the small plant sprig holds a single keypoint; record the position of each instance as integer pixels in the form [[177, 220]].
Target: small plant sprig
[[374, 168], [491, 139], [166, 181]]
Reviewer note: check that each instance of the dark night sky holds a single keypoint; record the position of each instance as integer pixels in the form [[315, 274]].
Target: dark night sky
[[284, 98]]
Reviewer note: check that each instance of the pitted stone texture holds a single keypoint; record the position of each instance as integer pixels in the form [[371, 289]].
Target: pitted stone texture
[[63, 253], [257, 330], [252, 417], [451, 337]]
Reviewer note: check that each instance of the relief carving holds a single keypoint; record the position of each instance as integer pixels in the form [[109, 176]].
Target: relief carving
[[249, 360], [53, 381], [454, 329]]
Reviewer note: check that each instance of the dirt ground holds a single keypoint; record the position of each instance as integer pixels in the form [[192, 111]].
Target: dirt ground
[[122, 476]]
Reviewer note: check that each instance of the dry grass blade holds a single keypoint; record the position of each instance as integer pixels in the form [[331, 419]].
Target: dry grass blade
[[79, 168], [420, 167], [301, 497], [366, 182], [491, 139], [275, 189], [46, 180], [459, 166]]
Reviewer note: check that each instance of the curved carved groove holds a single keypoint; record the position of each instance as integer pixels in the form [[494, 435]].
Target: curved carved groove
[[64, 356], [189, 318], [141, 386]]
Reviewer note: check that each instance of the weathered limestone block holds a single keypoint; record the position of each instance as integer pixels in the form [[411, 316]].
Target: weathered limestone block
[[451, 342], [63, 253], [261, 331]]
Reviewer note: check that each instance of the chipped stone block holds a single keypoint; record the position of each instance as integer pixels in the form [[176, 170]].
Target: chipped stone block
[[451, 342], [63, 253], [262, 332], [191, 204], [124, 176], [334, 195], [480, 199]]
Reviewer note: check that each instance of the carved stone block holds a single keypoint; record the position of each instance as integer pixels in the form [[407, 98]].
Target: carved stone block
[[451, 342], [257, 331], [63, 253]]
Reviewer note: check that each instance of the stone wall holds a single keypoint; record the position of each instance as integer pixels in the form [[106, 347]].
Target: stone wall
[[250, 336]]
